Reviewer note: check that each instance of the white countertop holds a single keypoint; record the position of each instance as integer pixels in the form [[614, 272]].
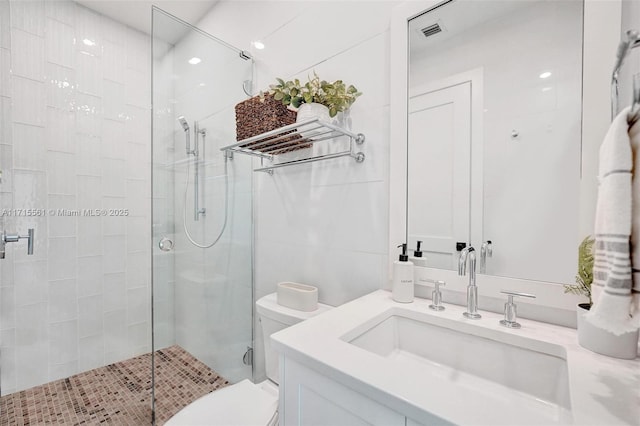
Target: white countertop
[[603, 390]]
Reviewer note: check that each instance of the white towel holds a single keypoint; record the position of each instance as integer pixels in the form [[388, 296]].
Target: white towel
[[612, 279], [634, 136]]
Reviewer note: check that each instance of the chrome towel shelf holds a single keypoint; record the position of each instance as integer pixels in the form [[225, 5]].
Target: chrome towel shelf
[[293, 144]]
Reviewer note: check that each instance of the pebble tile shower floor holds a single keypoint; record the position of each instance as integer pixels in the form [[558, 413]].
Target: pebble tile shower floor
[[118, 394]]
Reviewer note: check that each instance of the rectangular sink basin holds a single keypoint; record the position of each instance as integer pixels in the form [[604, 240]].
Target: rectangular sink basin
[[523, 374]]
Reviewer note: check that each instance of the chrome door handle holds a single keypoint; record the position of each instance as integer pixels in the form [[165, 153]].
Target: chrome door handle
[[165, 244]]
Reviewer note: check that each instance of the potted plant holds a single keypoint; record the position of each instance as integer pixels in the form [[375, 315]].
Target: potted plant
[[584, 277], [315, 98], [590, 336]]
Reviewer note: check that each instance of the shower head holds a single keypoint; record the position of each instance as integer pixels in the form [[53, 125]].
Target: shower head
[[185, 127], [183, 123]]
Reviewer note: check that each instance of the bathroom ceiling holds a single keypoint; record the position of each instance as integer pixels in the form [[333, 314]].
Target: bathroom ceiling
[[137, 13]]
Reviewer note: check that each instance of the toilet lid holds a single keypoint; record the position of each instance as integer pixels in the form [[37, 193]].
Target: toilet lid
[[242, 404]]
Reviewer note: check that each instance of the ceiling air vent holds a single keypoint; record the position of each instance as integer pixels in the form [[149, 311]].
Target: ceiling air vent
[[431, 30]]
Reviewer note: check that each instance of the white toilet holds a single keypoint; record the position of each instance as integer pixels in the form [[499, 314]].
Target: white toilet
[[246, 403]]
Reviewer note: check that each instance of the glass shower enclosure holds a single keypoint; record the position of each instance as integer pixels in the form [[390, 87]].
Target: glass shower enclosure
[[202, 204]]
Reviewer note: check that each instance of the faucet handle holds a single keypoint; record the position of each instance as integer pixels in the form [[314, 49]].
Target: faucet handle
[[485, 250], [510, 308], [30, 237], [517, 293], [436, 296], [12, 238], [489, 247]]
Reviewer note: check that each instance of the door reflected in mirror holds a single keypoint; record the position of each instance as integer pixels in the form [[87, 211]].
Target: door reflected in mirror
[[494, 135]]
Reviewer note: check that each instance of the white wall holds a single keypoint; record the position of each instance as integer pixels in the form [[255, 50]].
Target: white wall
[[80, 140], [323, 224]]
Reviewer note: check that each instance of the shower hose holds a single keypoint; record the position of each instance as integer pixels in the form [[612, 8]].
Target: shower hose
[[226, 206]]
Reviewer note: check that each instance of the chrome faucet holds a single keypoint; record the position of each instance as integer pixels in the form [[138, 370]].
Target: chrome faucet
[[485, 249], [472, 289]]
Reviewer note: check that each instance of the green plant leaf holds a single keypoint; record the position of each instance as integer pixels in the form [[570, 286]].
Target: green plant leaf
[[584, 277], [337, 96]]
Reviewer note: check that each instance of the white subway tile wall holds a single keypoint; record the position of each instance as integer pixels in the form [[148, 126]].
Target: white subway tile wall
[[75, 98]]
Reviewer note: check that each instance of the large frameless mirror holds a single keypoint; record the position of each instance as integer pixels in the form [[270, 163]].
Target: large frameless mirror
[[494, 135]]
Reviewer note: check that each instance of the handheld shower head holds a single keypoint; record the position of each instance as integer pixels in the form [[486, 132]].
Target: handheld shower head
[[183, 123], [185, 127]]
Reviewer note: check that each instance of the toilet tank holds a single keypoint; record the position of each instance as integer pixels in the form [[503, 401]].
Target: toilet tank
[[273, 318]]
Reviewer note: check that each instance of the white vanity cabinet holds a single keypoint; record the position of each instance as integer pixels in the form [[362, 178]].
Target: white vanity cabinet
[[373, 361], [310, 398]]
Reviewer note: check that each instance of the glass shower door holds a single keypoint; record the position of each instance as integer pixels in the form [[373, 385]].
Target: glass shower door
[[202, 213]]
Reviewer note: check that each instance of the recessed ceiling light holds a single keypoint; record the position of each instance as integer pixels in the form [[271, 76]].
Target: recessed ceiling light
[[195, 61], [258, 44], [545, 74], [89, 42]]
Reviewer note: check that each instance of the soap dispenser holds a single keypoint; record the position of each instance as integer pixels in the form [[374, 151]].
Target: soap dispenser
[[402, 290], [418, 258]]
